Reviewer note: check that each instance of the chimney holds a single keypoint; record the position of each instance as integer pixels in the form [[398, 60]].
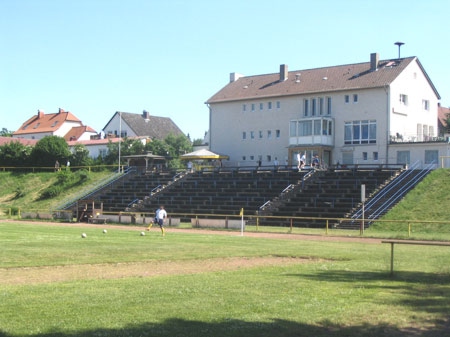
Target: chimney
[[40, 113], [374, 59], [235, 76], [146, 114], [60, 110], [283, 72]]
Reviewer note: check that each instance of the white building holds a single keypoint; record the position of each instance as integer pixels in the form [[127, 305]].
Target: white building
[[375, 112], [63, 124]]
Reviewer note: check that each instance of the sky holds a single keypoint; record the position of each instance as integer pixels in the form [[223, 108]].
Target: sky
[[96, 57]]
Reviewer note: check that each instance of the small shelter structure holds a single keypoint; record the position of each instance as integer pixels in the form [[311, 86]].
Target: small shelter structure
[[149, 161], [202, 154]]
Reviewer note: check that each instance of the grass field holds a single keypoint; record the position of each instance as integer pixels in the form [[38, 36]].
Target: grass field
[[191, 283]]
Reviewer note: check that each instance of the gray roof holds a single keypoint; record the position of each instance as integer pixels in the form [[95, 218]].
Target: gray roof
[[318, 80], [145, 125]]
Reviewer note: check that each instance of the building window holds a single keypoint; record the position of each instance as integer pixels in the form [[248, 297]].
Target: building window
[[260, 134], [261, 106], [426, 105], [252, 157], [313, 106], [364, 156], [269, 158], [431, 156], [269, 105], [244, 158], [102, 153], [375, 156], [293, 129], [306, 107], [253, 106], [244, 135], [269, 134], [277, 133], [347, 98], [252, 134], [403, 157], [321, 105], [360, 132], [244, 107], [355, 98], [327, 127], [278, 104], [403, 99], [317, 127], [328, 105], [304, 128]]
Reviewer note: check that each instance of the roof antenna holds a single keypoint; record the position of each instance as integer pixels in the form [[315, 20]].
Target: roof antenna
[[399, 44]]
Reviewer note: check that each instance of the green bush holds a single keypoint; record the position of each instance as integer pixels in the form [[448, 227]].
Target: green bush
[[14, 210], [19, 192], [83, 175], [51, 192], [64, 177]]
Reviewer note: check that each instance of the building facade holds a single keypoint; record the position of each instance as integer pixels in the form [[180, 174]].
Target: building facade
[[348, 114]]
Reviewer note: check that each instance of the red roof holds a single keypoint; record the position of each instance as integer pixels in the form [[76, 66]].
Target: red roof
[[24, 141], [443, 115], [42, 122]]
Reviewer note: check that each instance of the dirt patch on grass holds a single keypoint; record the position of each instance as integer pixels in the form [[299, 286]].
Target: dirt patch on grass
[[48, 274]]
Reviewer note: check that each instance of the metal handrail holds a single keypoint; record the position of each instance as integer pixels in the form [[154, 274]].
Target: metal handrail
[[398, 186], [99, 186]]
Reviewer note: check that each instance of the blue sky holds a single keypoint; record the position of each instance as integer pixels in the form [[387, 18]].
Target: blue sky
[[95, 57]]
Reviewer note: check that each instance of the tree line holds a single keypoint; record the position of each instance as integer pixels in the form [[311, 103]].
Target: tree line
[[50, 149]]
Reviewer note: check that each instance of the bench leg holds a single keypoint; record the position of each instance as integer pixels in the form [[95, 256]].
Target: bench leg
[[392, 259]]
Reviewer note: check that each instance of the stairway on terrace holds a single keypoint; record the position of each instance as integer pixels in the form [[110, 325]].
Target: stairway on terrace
[[327, 194], [220, 193], [384, 199], [119, 197]]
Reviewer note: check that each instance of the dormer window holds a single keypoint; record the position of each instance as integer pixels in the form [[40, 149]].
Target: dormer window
[[36, 126], [54, 124]]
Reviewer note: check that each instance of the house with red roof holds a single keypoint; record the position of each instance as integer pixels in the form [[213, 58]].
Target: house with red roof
[[374, 112], [63, 124], [444, 117]]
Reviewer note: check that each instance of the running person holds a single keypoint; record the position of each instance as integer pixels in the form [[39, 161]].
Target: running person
[[161, 215], [155, 220]]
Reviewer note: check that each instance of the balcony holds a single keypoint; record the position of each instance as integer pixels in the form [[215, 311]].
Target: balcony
[[414, 138]]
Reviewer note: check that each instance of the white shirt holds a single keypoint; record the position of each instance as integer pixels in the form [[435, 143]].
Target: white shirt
[[162, 214]]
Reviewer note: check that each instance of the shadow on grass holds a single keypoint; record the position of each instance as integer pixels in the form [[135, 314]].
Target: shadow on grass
[[280, 328], [425, 292]]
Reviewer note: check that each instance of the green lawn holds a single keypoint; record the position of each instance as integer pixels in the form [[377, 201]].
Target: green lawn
[[328, 288]]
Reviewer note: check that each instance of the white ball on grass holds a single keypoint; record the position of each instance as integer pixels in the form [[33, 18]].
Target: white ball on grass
[[142, 233], [105, 231], [83, 235]]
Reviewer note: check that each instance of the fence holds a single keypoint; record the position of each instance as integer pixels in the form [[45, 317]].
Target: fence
[[227, 221]]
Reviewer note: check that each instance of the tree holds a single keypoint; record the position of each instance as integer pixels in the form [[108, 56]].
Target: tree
[[80, 156], [127, 147], [5, 133], [15, 154], [48, 150], [197, 142]]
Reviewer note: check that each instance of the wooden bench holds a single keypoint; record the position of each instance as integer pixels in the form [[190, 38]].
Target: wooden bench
[[411, 242]]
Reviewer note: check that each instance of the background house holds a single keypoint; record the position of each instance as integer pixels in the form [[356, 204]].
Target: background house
[[374, 112], [63, 124], [126, 124]]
